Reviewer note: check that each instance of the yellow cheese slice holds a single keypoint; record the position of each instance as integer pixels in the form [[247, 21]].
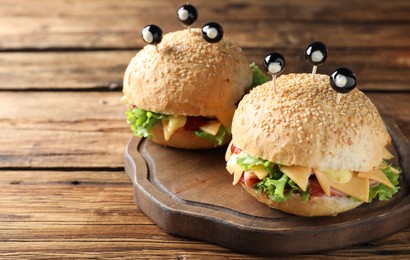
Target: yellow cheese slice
[[237, 174], [172, 123], [212, 127], [228, 152], [225, 117], [376, 175], [356, 187], [231, 162], [237, 171], [323, 181], [386, 154], [234, 169], [299, 174], [260, 171], [394, 170]]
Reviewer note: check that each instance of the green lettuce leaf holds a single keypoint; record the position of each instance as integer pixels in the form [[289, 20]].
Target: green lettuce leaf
[[275, 189], [246, 161], [258, 76], [276, 184], [381, 190], [141, 121], [218, 138]]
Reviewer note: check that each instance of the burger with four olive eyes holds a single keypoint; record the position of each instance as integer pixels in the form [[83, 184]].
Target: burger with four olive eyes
[[297, 148], [182, 92]]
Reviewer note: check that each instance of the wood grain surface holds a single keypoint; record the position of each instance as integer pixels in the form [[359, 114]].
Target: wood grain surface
[[213, 211], [386, 71], [63, 190]]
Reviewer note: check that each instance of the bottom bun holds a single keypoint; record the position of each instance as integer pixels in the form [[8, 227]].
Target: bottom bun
[[315, 206], [184, 139]]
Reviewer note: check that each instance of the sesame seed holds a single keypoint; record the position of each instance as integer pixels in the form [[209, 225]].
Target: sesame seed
[[313, 109]]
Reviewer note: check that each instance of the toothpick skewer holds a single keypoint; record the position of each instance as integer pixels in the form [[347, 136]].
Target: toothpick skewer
[[339, 97], [314, 71]]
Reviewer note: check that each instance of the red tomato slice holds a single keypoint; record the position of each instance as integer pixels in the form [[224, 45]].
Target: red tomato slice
[[235, 149]]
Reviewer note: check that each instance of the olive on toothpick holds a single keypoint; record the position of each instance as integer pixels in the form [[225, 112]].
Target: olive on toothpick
[[152, 34], [212, 32], [187, 15], [274, 64], [316, 54], [342, 80]]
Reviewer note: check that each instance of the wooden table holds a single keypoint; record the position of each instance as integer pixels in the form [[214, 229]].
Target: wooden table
[[63, 190]]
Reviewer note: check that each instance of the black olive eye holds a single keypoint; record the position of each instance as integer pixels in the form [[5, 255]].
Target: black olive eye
[[212, 32], [187, 14], [151, 34], [274, 63], [343, 80], [316, 53]]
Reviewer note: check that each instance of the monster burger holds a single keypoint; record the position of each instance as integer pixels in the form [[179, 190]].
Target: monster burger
[[301, 150], [183, 91]]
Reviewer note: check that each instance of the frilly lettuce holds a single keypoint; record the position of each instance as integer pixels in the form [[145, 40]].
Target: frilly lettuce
[[258, 76], [381, 190], [141, 121], [276, 184]]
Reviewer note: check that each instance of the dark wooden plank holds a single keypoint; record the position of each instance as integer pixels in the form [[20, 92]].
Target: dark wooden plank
[[299, 10], [395, 106], [94, 24], [76, 129], [381, 69], [63, 70]]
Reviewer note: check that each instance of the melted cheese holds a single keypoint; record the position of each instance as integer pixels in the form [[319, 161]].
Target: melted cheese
[[299, 174], [237, 173], [356, 187], [234, 169], [171, 124], [260, 171], [225, 117], [323, 181], [212, 127], [376, 175], [228, 152], [386, 154]]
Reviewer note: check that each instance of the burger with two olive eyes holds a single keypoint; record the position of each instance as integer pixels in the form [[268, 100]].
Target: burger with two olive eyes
[[301, 151], [183, 92]]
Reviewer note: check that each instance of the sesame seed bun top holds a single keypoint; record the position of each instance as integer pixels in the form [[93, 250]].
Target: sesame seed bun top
[[303, 125], [188, 76]]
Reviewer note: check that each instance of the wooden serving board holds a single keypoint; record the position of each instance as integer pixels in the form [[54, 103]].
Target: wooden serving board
[[190, 194]]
